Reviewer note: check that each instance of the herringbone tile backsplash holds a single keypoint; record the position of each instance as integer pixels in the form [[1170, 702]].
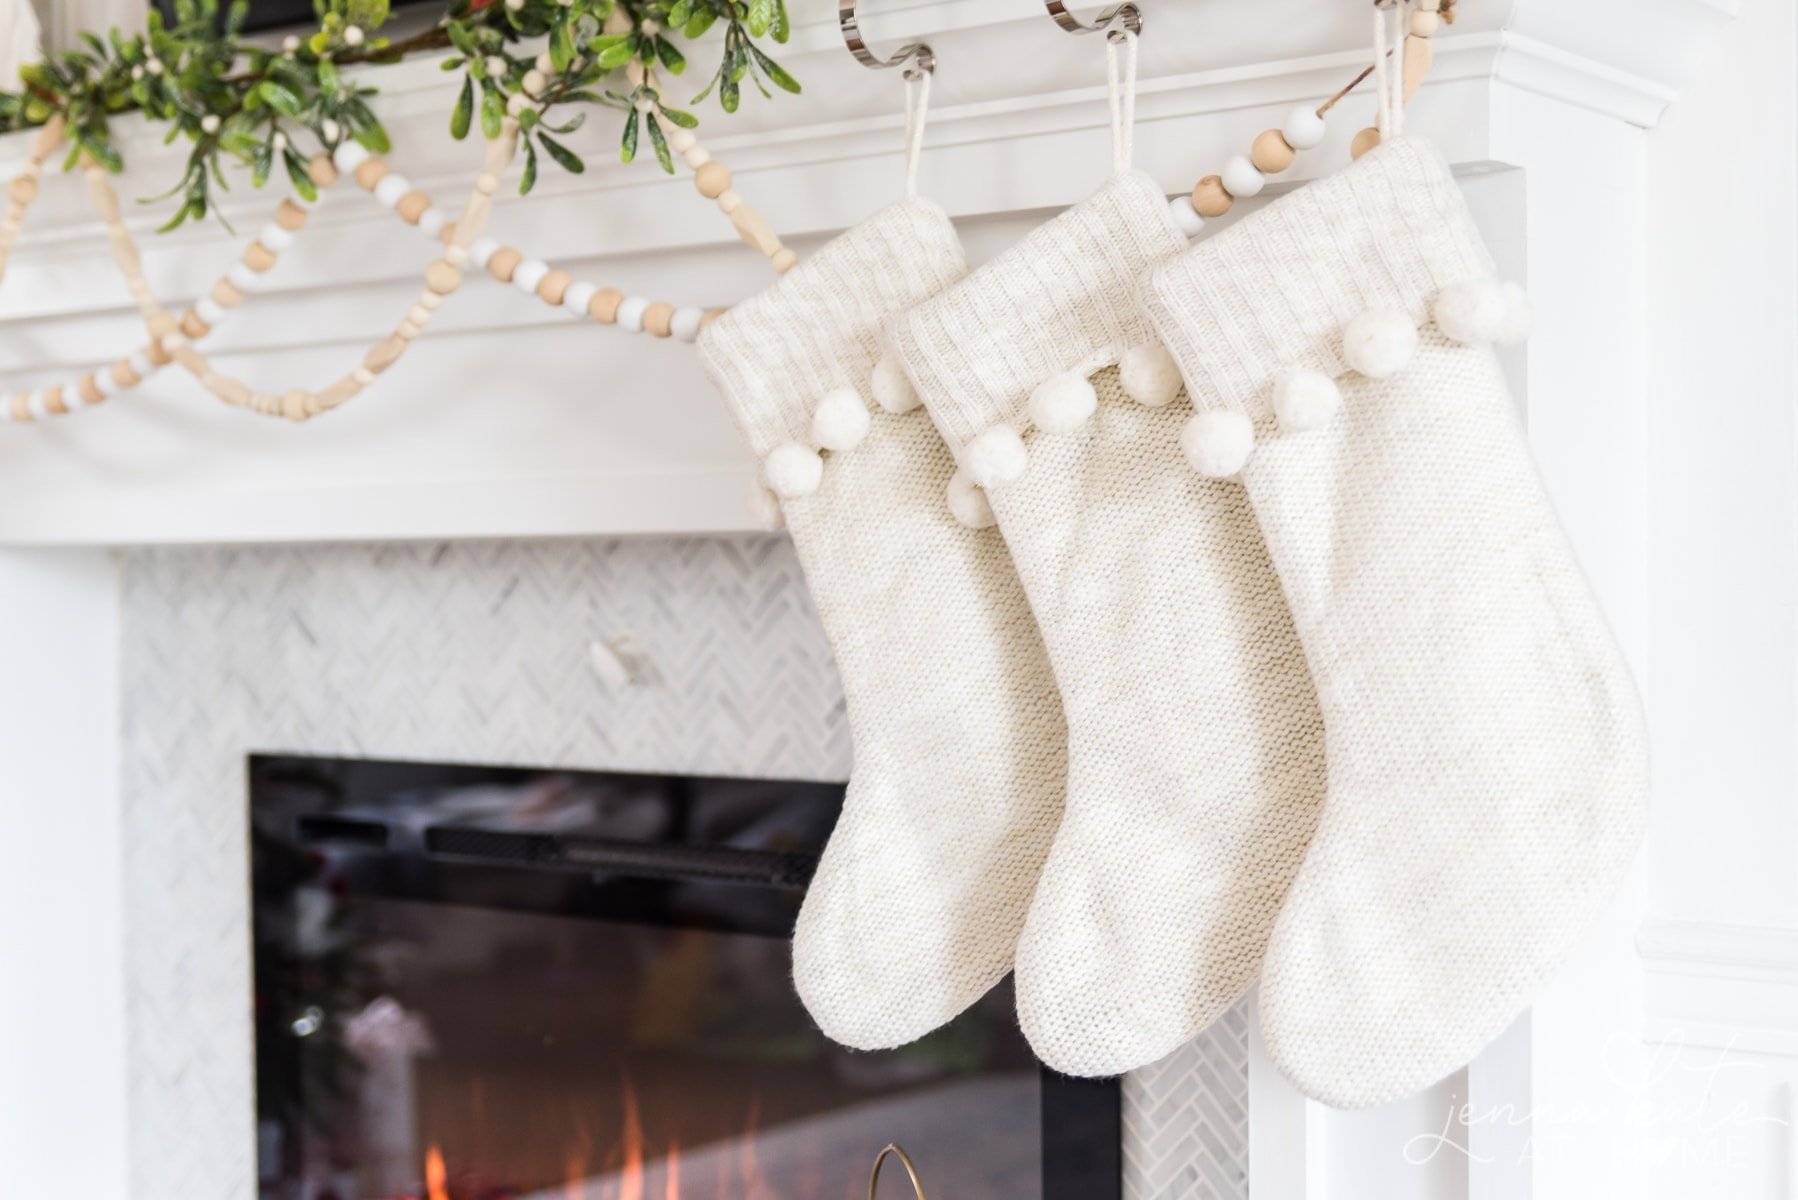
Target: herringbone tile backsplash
[[471, 652]]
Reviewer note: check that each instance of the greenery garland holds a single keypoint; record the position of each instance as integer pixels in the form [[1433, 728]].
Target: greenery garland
[[235, 99]]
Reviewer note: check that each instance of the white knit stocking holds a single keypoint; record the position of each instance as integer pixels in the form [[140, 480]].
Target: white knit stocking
[[1487, 772], [1195, 762], [959, 736]]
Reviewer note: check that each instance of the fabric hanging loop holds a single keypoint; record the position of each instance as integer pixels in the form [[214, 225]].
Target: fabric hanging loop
[[1389, 77], [1120, 70], [917, 113]]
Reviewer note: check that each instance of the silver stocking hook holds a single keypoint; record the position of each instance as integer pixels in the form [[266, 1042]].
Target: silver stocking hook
[[918, 54], [1113, 22]]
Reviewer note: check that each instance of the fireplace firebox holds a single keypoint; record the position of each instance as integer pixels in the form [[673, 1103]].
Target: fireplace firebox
[[478, 983]]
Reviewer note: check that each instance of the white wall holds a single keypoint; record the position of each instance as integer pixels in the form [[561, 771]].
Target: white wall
[[62, 1009], [1722, 945]]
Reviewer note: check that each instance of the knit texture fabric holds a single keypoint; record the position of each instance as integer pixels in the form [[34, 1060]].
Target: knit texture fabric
[[1196, 755], [1487, 760], [959, 738]]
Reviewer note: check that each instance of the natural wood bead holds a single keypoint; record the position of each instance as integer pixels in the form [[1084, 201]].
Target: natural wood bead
[[1425, 24], [384, 355], [449, 232], [1270, 153], [21, 406], [1364, 141], [712, 180], [123, 375], [443, 278], [232, 391], [604, 305], [658, 319], [553, 286], [338, 393], [23, 190], [290, 216], [321, 170], [1209, 199], [258, 257], [157, 353], [412, 206], [89, 388], [53, 401], [371, 171], [503, 263], [297, 405], [784, 260], [193, 326], [486, 183], [225, 294]]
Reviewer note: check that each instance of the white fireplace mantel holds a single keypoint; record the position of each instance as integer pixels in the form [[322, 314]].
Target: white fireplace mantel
[[509, 419]]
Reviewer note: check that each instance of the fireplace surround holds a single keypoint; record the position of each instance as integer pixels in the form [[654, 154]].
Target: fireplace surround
[[490, 983]]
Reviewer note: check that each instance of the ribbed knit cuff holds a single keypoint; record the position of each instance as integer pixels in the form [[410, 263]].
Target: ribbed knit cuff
[[777, 353], [1060, 300], [1272, 293]]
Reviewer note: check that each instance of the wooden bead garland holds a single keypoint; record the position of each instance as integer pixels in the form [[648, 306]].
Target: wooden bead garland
[[24, 186], [97, 386]]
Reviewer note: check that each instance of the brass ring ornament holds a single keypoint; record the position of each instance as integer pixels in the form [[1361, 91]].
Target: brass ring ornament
[[917, 1187], [1113, 22], [918, 54]]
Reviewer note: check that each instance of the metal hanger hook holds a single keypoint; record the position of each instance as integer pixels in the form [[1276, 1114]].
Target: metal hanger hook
[[1113, 22], [918, 54]]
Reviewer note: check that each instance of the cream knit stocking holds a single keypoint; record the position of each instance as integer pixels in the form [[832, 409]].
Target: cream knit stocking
[[1487, 771], [959, 737], [1195, 767]]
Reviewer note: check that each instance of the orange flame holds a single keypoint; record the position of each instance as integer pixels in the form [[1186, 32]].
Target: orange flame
[[436, 1176], [630, 1186], [673, 1190]]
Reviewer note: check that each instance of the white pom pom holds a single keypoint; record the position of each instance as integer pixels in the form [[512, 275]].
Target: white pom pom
[[1304, 129], [1379, 343], [1218, 442], [1063, 403], [1520, 314], [1472, 312], [969, 503], [892, 389], [1305, 400], [764, 507], [1150, 375], [995, 457], [1242, 179], [841, 421], [1186, 216], [792, 471]]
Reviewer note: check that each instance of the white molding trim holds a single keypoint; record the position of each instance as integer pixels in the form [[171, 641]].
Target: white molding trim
[[1730, 986]]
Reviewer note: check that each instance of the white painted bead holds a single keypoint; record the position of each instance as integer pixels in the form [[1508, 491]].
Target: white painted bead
[[681, 140], [430, 222], [1186, 216], [1242, 179], [140, 363], [630, 314], [1379, 343], [457, 256], [995, 457], [686, 323], [243, 279], [275, 237], [578, 296], [528, 274], [1304, 129], [480, 250], [348, 156], [968, 504], [1062, 403], [430, 300], [104, 383], [1150, 375], [392, 186], [1218, 442], [697, 156], [793, 470], [208, 310], [34, 404], [841, 420], [892, 388], [1305, 400]]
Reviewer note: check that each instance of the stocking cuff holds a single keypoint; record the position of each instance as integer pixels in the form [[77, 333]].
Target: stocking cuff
[[776, 354], [1271, 294], [1060, 300]]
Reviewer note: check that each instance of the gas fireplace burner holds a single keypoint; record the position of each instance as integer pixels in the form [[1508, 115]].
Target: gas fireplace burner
[[478, 983]]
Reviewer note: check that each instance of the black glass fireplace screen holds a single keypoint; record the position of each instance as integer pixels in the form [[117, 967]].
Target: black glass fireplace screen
[[500, 984]]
